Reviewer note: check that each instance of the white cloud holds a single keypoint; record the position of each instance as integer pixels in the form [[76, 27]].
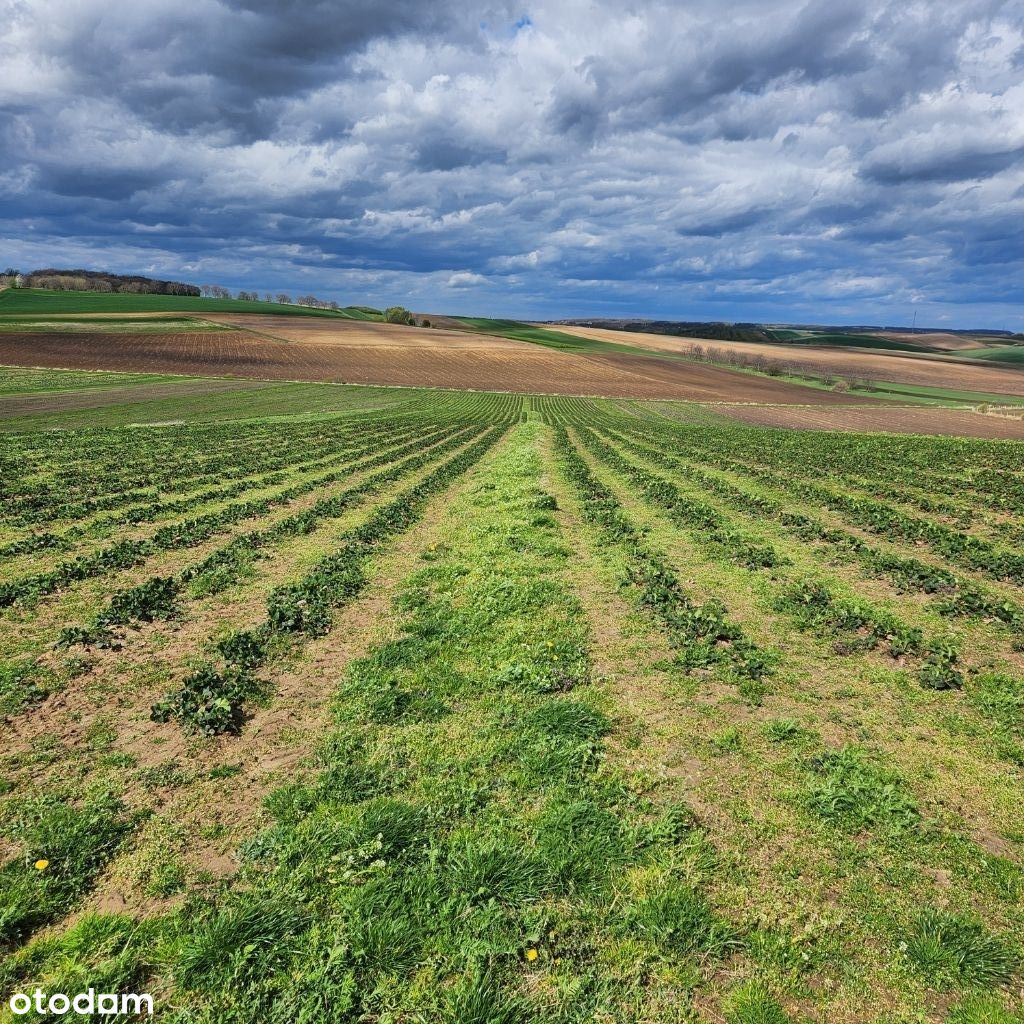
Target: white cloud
[[682, 155]]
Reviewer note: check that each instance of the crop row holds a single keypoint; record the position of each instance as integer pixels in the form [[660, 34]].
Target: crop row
[[812, 604], [700, 634], [186, 533], [988, 471], [713, 528], [158, 509], [210, 700], [87, 462], [158, 596], [959, 596], [874, 516], [562, 410], [487, 407], [152, 469], [411, 873], [887, 521]]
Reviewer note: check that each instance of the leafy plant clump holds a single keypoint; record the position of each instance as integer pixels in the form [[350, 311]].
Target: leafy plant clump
[[949, 949], [852, 791], [939, 671], [21, 684], [208, 702]]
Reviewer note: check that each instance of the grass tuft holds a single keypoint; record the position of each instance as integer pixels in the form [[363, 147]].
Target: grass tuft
[[754, 1003], [951, 950], [849, 789]]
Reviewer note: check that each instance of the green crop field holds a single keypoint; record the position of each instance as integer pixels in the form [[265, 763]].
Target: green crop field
[[388, 705], [1000, 354], [41, 302]]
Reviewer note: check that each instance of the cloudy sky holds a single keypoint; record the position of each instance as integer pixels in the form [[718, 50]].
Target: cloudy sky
[[837, 160]]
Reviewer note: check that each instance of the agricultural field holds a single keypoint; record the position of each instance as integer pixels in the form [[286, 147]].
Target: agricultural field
[[999, 422], [925, 369], [368, 704], [172, 335], [340, 351]]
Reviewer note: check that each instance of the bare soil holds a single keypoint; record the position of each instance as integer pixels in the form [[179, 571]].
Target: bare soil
[[930, 369], [880, 418], [360, 353]]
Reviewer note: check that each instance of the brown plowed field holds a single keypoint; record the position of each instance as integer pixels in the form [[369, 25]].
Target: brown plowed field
[[953, 422], [369, 333], [382, 354], [898, 367]]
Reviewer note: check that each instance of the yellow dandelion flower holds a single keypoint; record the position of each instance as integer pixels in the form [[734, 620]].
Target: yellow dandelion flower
[[42, 865], [531, 955]]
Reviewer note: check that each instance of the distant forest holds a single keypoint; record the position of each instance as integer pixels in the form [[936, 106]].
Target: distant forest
[[98, 281], [682, 329]]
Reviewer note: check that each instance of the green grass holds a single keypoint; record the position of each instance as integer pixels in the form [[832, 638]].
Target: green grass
[[40, 302], [108, 324], [920, 393], [16, 380], [65, 849], [550, 338], [872, 341], [853, 791], [560, 749], [1013, 354], [949, 949]]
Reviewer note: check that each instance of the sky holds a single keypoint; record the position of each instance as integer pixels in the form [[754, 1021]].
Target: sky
[[836, 161]]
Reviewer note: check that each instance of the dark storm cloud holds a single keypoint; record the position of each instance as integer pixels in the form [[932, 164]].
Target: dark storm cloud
[[813, 160], [954, 165]]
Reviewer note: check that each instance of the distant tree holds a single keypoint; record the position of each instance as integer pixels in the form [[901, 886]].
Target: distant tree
[[102, 281], [268, 297], [284, 299], [398, 315], [425, 323], [205, 289]]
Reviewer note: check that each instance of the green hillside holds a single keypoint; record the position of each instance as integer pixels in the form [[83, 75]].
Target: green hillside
[[517, 331], [1002, 354], [846, 341], [37, 301]]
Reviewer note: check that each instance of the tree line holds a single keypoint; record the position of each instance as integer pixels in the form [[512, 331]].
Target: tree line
[[760, 363], [79, 280]]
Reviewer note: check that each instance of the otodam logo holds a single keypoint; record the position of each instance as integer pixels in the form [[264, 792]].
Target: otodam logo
[[88, 1003]]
